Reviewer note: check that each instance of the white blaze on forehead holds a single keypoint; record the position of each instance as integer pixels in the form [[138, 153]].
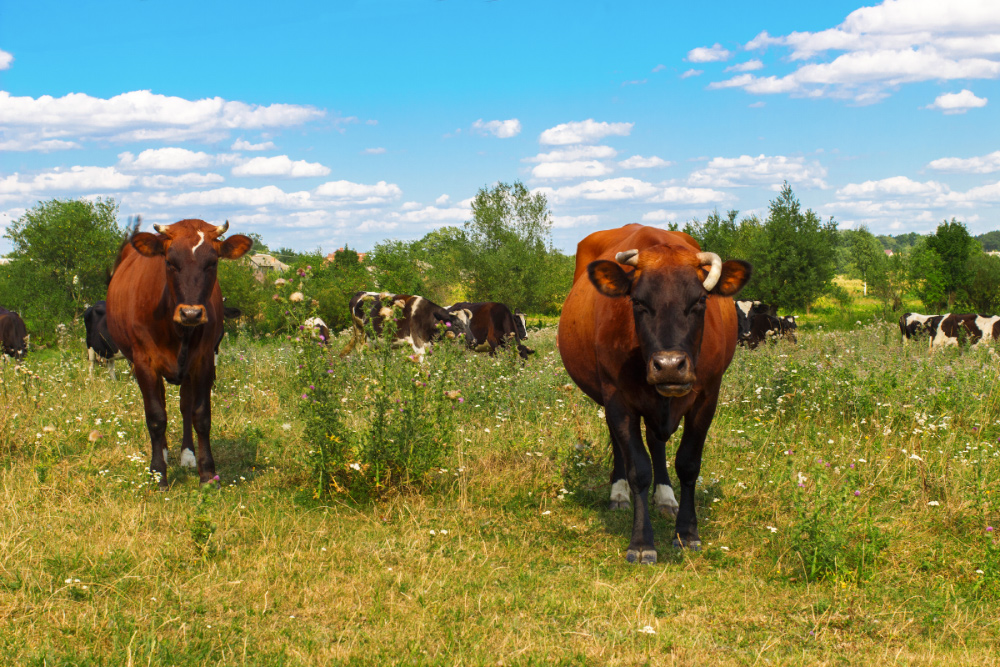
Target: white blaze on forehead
[[619, 491], [745, 306], [201, 239]]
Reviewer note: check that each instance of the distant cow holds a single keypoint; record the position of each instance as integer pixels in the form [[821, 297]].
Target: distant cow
[[99, 343], [13, 335], [647, 331], [316, 327], [913, 324], [165, 314], [953, 328], [416, 324], [745, 311], [769, 327], [491, 326]]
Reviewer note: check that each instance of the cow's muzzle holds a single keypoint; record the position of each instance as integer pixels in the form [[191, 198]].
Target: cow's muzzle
[[672, 373], [190, 316]]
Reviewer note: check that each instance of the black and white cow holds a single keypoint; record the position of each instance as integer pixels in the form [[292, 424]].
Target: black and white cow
[[100, 347], [492, 325], [13, 335], [316, 327], [769, 327], [915, 324], [416, 324], [745, 311], [953, 328]]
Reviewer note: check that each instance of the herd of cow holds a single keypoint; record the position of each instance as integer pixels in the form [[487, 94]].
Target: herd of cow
[[647, 331]]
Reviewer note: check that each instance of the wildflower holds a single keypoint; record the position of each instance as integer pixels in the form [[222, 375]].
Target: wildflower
[[94, 436], [915, 457], [648, 630], [933, 503], [356, 466], [546, 512], [989, 529], [772, 529], [433, 532], [286, 427], [857, 493], [296, 297]]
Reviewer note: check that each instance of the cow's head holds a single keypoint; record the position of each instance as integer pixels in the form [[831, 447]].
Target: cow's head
[[191, 250], [458, 322], [669, 290], [520, 325]]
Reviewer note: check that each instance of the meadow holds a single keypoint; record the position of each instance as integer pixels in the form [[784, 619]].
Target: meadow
[[847, 506]]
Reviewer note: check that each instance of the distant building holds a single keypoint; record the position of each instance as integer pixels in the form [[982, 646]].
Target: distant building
[[263, 264], [4, 260], [330, 257], [994, 253], [889, 252]]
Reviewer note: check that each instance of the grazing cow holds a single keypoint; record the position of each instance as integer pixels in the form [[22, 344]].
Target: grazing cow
[[416, 326], [647, 331], [315, 326], [764, 327], [491, 325], [912, 324], [165, 314], [13, 335], [745, 311], [952, 328], [99, 343]]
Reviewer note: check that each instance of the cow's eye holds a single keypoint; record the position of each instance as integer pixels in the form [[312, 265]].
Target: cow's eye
[[173, 265], [640, 307]]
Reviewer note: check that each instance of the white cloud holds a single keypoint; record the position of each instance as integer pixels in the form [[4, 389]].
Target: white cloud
[[504, 129], [634, 82], [952, 103], [763, 170], [566, 170], [877, 49], [436, 215], [708, 54], [660, 215], [373, 151], [269, 195], [75, 179], [583, 132], [359, 193], [640, 162], [568, 221], [280, 165], [986, 164], [166, 159], [5, 60], [377, 225], [659, 68], [574, 153], [442, 200], [890, 187], [163, 182], [138, 116], [411, 205], [243, 145], [682, 195], [748, 66], [626, 188], [692, 72], [33, 143]]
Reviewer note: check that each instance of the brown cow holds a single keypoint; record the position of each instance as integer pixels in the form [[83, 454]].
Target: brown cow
[[492, 325], [647, 331], [416, 325], [165, 314]]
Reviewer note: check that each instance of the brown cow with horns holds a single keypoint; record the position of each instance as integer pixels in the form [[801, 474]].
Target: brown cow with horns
[[647, 331], [165, 314]]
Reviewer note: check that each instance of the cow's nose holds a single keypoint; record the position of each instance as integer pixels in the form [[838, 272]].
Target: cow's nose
[[673, 367], [190, 316]]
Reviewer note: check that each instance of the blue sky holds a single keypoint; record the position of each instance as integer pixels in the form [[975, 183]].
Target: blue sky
[[317, 124]]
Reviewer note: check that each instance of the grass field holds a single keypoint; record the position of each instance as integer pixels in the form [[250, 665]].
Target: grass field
[[848, 495]]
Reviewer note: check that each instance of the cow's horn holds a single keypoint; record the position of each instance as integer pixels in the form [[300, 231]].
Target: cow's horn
[[714, 272], [161, 228], [221, 229], [630, 257]]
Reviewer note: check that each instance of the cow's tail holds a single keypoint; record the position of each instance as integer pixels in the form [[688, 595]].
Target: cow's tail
[[353, 343]]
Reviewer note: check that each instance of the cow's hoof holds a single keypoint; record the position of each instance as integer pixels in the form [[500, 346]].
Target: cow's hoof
[[619, 505], [693, 545], [668, 510], [644, 557]]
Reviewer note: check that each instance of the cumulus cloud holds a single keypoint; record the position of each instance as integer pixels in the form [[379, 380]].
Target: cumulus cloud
[[269, 195], [165, 182], [438, 215], [504, 129], [876, 49], [952, 103], [5, 59], [626, 188], [659, 215], [986, 164], [166, 159], [659, 68], [280, 165], [575, 153], [76, 179], [569, 221], [583, 132], [373, 151], [242, 145], [708, 54], [692, 72], [566, 170], [748, 66], [891, 187], [640, 162], [359, 193], [763, 170], [138, 116], [885, 200]]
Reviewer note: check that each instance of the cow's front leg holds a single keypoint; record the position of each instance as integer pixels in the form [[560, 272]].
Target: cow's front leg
[[688, 465], [200, 384], [663, 493], [619, 481], [627, 435], [154, 402], [188, 459]]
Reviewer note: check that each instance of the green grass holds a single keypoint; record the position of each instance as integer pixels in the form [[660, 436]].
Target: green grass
[[531, 569]]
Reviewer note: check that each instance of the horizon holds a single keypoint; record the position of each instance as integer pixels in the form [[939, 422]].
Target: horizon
[[321, 127]]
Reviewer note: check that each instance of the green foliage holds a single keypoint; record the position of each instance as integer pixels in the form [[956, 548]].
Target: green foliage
[[334, 283], [927, 276], [981, 293], [201, 527], [953, 244], [240, 289], [397, 267], [62, 253], [509, 245], [990, 241]]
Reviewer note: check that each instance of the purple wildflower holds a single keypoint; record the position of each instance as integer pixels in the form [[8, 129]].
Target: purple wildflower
[[989, 529], [857, 493]]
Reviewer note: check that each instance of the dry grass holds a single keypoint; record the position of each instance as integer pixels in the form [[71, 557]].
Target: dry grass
[[520, 576]]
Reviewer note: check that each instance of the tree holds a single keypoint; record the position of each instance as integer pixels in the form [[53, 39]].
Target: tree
[[62, 253], [509, 238], [793, 255], [867, 255], [982, 291], [396, 267], [927, 276], [990, 241], [954, 245]]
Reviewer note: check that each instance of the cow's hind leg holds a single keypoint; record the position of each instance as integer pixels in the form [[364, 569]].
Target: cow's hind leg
[[663, 493], [627, 433], [155, 403]]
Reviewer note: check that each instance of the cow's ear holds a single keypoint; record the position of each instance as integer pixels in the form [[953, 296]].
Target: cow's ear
[[235, 246], [148, 245], [609, 278], [735, 274]]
